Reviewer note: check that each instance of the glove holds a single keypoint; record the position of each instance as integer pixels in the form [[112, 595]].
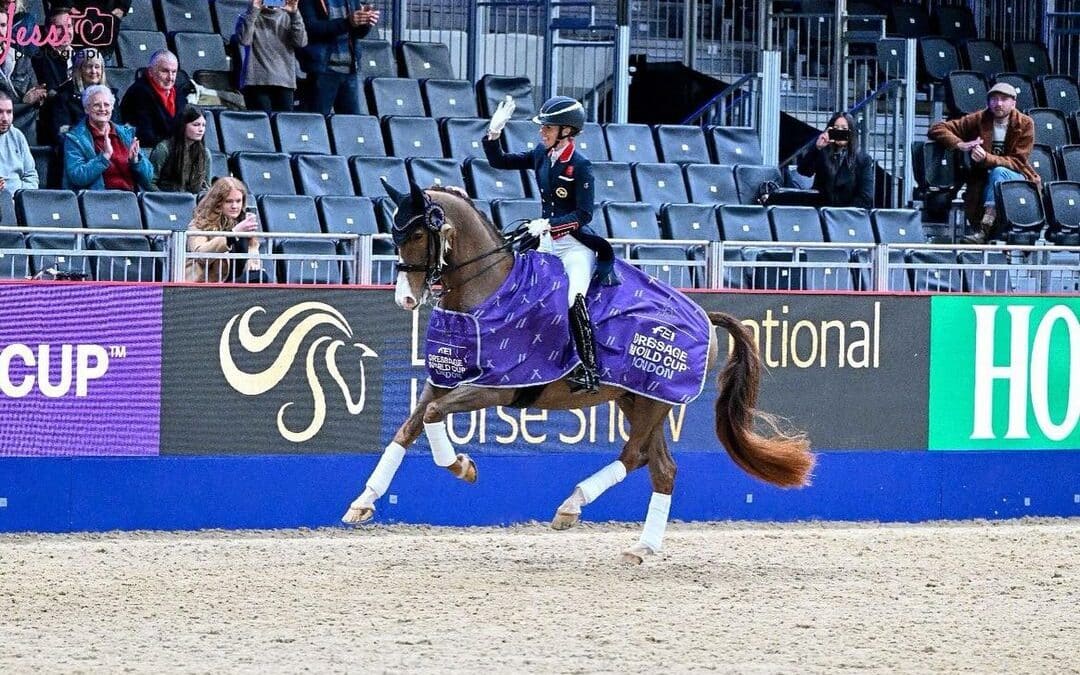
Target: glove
[[538, 227], [502, 115]]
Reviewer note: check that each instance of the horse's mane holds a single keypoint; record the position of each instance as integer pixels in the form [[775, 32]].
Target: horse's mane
[[468, 200]]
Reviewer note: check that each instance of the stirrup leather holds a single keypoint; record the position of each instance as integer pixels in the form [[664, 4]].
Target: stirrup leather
[[586, 376]]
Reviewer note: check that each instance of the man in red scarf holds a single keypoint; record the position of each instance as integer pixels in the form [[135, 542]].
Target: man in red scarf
[[155, 101]]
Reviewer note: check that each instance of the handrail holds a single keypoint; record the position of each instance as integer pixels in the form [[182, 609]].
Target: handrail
[[712, 102]]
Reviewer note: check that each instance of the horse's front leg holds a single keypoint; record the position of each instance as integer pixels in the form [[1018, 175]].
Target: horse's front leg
[[461, 399], [362, 508]]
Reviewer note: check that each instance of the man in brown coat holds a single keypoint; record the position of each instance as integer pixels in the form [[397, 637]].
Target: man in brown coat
[[999, 139]]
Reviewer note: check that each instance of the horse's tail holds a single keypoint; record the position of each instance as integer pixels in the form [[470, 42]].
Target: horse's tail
[[781, 458]]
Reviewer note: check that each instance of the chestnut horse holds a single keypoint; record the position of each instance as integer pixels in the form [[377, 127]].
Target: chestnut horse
[[461, 250]]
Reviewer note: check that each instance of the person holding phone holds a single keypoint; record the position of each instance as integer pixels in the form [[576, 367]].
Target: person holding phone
[[269, 32], [843, 175], [331, 58], [219, 212]]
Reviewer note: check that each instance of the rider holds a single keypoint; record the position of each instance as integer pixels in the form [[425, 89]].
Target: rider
[[566, 191]]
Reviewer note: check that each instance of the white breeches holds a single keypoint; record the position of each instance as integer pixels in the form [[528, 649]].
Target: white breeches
[[579, 261]]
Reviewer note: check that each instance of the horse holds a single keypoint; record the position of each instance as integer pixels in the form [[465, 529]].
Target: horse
[[447, 243]]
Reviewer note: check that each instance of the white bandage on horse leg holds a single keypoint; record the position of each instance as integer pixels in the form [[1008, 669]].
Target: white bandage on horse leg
[[380, 478], [442, 450], [656, 521], [594, 486]]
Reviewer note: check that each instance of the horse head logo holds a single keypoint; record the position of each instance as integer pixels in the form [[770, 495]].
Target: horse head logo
[[312, 315]]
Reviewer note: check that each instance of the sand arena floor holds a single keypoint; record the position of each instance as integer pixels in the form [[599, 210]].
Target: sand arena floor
[[724, 597]]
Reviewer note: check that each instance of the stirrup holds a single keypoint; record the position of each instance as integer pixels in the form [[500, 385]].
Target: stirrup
[[583, 380]]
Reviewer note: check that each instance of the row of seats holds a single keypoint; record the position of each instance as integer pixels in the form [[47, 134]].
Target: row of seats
[[1028, 213], [937, 57], [966, 91]]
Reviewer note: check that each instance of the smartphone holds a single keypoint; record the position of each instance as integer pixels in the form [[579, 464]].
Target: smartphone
[[273, 3], [839, 134]]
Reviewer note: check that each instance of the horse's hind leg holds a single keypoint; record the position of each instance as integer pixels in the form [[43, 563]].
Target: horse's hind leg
[[662, 472], [641, 413]]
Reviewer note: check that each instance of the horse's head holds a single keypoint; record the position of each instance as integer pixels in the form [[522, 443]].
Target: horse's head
[[432, 235]]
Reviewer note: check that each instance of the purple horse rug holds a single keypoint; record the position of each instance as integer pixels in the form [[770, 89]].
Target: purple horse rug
[[651, 339]]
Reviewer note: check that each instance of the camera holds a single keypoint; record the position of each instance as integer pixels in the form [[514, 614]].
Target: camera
[[839, 134]]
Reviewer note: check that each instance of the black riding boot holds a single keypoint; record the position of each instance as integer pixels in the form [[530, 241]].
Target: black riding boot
[[586, 376]]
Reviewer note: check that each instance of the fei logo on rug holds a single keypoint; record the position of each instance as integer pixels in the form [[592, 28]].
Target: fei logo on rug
[[1005, 373]]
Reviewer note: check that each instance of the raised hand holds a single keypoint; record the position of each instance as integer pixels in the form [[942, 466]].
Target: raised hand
[[502, 115]]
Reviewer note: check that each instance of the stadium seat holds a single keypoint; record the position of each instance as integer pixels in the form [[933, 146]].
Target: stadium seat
[[356, 136], [630, 220], [395, 96], [265, 173], [288, 213], [909, 20], [119, 78], [1063, 212], [128, 265], [192, 16], [140, 16], [956, 23], [630, 143], [979, 277], [166, 210], [933, 271], [659, 183], [134, 47], [226, 12], [424, 60], [682, 144], [1060, 92], [244, 131], [51, 208], [461, 137], [212, 138], [219, 165], [1025, 89], [520, 136], [937, 58], [297, 214], [340, 214], [743, 223], [689, 221], [796, 224], [847, 225], [7, 209], [14, 265], [936, 170], [750, 178], [711, 184], [297, 132], [965, 92], [511, 213], [1043, 161], [49, 165], [891, 56], [1019, 206], [898, 226], [435, 172], [449, 98], [368, 173], [322, 175], [485, 182], [413, 137], [591, 142], [984, 56], [114, 209], [1070, 161], [376, 59], [1051, 127], [1029, 58], [201, 51], [493, 89], [665, 262], [614, 182]]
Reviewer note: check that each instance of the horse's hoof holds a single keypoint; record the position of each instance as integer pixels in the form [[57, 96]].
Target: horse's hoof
[[564, 521], [357, 515], [467, 472], [636, 554]]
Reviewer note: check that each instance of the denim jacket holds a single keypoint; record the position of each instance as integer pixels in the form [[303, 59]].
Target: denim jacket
[[84, 166]]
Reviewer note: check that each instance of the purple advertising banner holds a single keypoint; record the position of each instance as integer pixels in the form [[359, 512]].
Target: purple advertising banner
[[80, 370]]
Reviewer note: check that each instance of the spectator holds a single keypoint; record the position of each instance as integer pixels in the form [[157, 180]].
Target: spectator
[[52, 62], [332, 54], [101, 155], [999, 139], [182, 163], [105, 13], [155, 101], [843, 175], [219, 212], [17, 167], [17, 78], [65, 109], [269, 36]]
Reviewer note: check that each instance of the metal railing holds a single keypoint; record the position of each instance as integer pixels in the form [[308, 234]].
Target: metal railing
[[1064, 37]]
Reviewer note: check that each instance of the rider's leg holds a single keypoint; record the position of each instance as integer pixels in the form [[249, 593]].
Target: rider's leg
[[579, 261]]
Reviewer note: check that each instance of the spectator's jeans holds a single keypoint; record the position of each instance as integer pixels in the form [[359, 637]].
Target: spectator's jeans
[[268, 99], [997, 175], [340, 91]]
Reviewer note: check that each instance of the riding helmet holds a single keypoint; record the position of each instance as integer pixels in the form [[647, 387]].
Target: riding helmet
[[561, 111]]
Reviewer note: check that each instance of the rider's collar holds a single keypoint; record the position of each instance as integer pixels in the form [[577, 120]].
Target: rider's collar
[[563, 155]]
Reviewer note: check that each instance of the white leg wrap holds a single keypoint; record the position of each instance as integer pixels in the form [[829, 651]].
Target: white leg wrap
[[442, 450], [656, 521], [380, 478], [595, 485]]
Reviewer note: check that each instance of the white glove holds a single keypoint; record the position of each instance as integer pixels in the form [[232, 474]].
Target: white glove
[[502, 115], [538, 227]]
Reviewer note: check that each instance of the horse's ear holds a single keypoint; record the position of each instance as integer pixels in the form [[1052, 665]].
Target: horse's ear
[[419, 198], [394, 194]]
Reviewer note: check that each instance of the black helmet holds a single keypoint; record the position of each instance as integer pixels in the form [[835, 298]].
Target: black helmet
[[561, 111]]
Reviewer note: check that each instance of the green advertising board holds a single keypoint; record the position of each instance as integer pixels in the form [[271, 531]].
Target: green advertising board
[[1004, 373]]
